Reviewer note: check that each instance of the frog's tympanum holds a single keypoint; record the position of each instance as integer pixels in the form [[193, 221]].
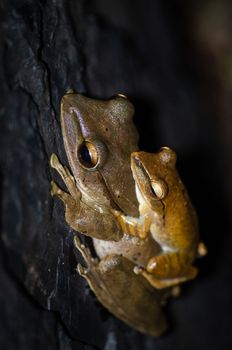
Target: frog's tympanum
[[141, 253]]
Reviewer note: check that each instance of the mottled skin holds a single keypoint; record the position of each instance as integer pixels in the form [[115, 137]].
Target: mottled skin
[[101, 181], [166, 213]]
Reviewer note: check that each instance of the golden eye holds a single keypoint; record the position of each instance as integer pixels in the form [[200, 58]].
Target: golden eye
[[159, 189], [88, 155]]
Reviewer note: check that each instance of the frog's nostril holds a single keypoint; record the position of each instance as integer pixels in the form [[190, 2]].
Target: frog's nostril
[[136, 160], [134, 156]]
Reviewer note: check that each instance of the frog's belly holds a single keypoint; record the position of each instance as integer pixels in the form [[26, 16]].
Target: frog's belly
[[137, 250]]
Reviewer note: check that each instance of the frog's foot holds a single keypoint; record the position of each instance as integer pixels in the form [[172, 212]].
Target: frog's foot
[[66, 176], [56, 191], [68, 200], [167, 282], [86, 254], [176, 291], [202, 250], [91, 272]]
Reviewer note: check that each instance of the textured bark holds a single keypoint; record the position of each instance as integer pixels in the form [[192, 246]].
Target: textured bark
[[99, 48]]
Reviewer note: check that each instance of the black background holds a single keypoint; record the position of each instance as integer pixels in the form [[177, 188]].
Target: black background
[[173, 61]]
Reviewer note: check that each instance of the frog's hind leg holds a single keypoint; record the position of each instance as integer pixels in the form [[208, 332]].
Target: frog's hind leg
[[170, 265], [168, 282], [126, 295], [86, 254]]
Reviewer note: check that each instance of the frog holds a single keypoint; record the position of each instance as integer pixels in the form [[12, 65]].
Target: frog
[[99, 137], [166, 214], [100, 177]]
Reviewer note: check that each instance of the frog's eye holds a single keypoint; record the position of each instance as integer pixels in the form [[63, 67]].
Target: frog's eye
[[92, 154], [88, 155], [159, 189]]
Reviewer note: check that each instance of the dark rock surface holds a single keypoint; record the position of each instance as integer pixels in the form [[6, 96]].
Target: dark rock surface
[[100, 48]]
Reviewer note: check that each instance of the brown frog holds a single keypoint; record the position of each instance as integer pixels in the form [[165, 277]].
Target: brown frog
[[98, 157], [166, 214], [99, 137]]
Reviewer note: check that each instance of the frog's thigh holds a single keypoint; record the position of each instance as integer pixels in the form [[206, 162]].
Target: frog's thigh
[[122, 292], [167, 265]]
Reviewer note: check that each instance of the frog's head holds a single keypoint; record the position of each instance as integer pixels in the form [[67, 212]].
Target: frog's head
[[155, 176], [99, 137]]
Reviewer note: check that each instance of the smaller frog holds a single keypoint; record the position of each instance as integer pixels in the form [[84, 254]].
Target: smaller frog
[[167, 214]]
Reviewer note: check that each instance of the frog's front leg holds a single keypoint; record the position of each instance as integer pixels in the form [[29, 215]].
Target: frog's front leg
[[72, 207], [82, 218], [122, 292], [79, 215], [71, 200], [168, 282], [66, 177], [139, 227]]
